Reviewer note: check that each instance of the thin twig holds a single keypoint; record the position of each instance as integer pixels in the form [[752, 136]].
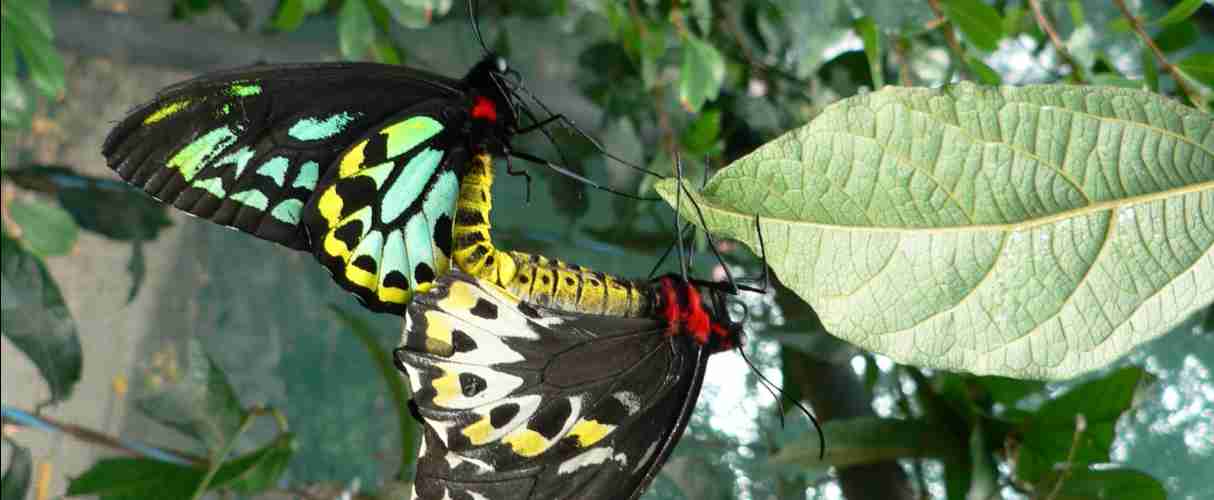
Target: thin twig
[[901, 47], [950, 37], [1081, 425], [1059, 46], [1181, 82]]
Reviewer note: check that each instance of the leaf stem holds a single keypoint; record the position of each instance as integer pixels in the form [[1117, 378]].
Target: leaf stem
[[1181, 81], [217, 458]]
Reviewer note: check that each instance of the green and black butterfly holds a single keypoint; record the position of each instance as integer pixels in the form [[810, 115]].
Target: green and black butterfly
[[358, 163]]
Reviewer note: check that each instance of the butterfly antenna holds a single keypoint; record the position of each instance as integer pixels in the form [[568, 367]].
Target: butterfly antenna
[[476, 25], [773, 388], [678, 209], [597, 146], [574, 175]]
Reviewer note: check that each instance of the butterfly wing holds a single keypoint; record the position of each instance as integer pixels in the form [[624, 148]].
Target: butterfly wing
[[382, 219], [527, 403], [245, 148]]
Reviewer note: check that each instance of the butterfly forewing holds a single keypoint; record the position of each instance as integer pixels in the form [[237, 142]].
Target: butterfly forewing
[[526, 402], [245, 148]]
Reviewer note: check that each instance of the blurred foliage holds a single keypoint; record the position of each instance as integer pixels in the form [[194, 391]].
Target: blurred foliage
[[697, 78]]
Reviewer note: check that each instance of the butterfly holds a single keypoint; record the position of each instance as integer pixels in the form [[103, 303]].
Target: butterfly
[[358, 163], [535, 392]]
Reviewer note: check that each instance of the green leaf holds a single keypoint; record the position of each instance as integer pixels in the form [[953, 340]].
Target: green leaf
[[701, 137], [108, 207], [415, 14], [409, 433], [982, 73], [701, 75], [266, 466], [979, 22], [1105, 484], [1049, 435], [355, 29], [16, 480], [141, 478], [28, 22], [1176, 37], [1005, 231], [867, 29], [193, 397], [1179, 12], [1150, 71], [868, 440], [34, 317], [1199, 66], [46, 229], [289, 16], [138, 269], [16, 103], [1009, 390]]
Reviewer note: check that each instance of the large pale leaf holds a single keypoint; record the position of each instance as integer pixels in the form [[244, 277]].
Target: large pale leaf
[[1034, 232]]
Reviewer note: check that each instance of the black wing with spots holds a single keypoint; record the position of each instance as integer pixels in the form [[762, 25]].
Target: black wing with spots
[[520, 402]]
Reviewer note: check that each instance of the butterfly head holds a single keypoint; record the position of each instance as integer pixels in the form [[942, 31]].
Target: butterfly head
[[493, 84], [699, 311]]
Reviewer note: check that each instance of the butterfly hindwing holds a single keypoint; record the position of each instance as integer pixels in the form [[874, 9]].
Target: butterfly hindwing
[[526, 402], [381, 220], [245, 148]]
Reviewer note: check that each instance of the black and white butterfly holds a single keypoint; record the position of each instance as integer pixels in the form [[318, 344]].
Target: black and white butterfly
[[520, 401]]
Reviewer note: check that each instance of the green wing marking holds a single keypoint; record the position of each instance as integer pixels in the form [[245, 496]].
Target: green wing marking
[[382, 225]]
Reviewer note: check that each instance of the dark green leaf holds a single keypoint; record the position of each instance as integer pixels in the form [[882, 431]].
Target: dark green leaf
[[387, 369], [46, 229], [34, 317], [239, 12], [16, 481], [267, 466], [701, 137], [870, 439], [1179, 12], [1199, 66], [138, 269], [313, 6], [1177, 36], [979, 22], [355, 29], [141, 478], [193, 397], [982, 73], [867, 29], [1150, 71], [1049, 434], [289, 16], [386, 51], [1009, 390], [111, 208], [1115, 80], [1103, 484], [702, 73]]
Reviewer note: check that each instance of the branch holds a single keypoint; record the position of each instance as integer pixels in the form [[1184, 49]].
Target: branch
[[1181, 82], [950, 37], [1059, 47]]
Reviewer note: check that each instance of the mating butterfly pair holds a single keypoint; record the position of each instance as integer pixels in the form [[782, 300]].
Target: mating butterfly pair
[[534, 379]]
